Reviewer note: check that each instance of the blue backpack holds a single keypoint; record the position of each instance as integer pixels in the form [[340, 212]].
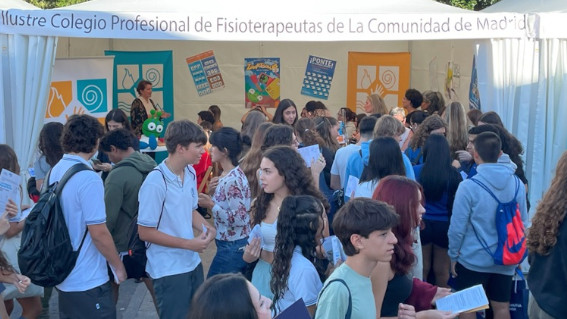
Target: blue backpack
[[511, 248]]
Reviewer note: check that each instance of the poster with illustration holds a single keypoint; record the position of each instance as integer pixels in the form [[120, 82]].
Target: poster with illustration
[[261, 82], [153, 66], [205, 72], [318, 77], [80, 86], [385, 74]]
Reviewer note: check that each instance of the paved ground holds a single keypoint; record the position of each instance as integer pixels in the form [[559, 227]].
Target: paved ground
[[134, 302]]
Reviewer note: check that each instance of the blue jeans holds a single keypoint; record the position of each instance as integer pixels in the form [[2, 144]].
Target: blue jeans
[[229, 257]]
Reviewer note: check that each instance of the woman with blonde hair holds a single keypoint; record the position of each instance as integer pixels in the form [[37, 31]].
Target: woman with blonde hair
[[547, 245], [457, 128], [375, 105]]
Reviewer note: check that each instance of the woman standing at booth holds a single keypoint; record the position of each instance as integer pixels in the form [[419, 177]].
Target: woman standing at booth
[[142, 106]]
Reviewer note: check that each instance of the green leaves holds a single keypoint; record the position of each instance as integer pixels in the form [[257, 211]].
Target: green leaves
[[476, 5]]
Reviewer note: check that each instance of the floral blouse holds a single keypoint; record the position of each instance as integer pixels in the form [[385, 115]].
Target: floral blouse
[[138, 115], [232, 202]]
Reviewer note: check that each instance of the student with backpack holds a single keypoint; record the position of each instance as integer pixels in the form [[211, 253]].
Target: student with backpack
[[486, 232], [85, 292], [364, 227], [168, 217], [121, 189]]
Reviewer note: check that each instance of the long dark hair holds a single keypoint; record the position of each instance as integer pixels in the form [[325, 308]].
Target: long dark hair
[[305, 129], [223, 296], [251, 161], [50, 142], [298, 222], [8, 161], [385, 159], [117, 115], [437, 167], [227, 139], [278, 115], [323, 126], [297, 179]]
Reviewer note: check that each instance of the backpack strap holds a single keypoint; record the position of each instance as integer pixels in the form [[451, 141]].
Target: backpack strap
[[162, 203], [70, 172], [479, 183], [61, 183], [480, 240], [349, 309]]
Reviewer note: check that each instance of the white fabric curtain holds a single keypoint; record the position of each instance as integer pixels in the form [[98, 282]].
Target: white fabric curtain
[[26, 63], [525, 82]]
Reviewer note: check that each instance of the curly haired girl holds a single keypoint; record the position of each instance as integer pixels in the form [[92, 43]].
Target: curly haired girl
[[282, 173], [294, 274], [547, 244]]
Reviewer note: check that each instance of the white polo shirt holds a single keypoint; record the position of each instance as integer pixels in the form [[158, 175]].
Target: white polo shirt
[[82, 201], [303, 282], [177, 219]]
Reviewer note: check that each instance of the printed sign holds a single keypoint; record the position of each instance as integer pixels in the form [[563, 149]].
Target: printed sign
[[262, 82], [206, 73], [80, 86], [318, 77], [132, 67], [385, 74]]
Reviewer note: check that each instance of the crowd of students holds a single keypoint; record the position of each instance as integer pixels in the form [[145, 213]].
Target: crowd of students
[[405, 190]]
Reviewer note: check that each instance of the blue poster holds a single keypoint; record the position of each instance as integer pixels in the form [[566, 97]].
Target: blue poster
[[318, 77], [132, 67], [154, 66]]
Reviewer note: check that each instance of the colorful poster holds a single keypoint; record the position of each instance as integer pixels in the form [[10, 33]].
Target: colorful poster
[[206, 73], [80, 86], [261, 82], [318, 77], [385, 74], [132, 67]]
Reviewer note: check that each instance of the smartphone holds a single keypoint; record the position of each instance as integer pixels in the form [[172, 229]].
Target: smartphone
[[205, 230], [96, 161]]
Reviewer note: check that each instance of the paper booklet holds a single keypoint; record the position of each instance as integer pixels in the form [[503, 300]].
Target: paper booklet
[[469, 300]]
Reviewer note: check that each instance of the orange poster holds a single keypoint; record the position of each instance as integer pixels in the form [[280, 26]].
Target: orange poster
[[385, 74]]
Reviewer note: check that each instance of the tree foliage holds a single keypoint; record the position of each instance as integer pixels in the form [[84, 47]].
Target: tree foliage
[[465, 4], [50, 4], [476, 5]]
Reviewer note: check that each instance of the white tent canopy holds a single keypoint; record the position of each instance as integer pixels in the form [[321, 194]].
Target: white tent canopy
[[525, 81], [296, 20]]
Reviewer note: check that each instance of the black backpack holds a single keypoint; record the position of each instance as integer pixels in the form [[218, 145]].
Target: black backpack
[[46, 254]]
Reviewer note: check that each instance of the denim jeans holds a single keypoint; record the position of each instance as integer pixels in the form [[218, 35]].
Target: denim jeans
[[229, 257]]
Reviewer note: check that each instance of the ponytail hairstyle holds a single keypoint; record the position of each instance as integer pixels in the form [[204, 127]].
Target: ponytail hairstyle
[[300, 223], [323, 125], [305, 129]]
